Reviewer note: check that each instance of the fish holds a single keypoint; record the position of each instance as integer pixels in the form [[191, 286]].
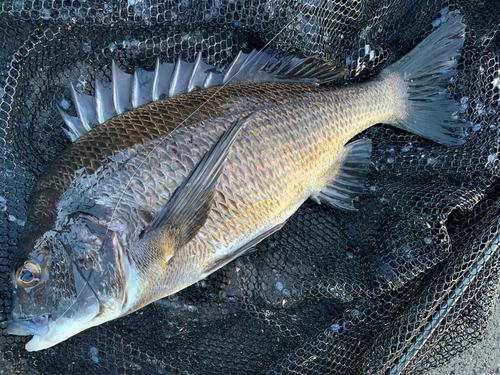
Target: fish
[[173, 174]]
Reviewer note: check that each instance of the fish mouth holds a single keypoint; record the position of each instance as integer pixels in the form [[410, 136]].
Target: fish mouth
[[48, 332], [37, 327], [67, 318]]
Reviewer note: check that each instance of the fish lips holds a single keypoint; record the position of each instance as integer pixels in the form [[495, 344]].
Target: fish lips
[[48, 332], [38, 326]]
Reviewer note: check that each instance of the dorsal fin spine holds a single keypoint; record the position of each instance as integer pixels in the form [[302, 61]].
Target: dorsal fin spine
[[74, 125], [231, 70], [122, 90], [128, 91], [175, 78], [193, 72], [82, 104], [196, 66], [154, 91], [104, 101]]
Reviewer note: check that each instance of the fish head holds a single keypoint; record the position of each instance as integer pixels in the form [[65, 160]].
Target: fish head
[[71, 278]]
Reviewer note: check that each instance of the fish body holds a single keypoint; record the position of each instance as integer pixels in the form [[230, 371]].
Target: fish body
[[271, 170], [158, 197]]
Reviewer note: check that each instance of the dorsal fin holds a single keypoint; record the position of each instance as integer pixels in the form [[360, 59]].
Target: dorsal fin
[[126, 91]]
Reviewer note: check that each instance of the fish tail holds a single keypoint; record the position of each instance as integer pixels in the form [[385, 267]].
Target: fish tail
[[429, 109]]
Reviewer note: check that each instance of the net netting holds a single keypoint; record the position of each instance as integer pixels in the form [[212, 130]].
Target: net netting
[[399, 286]]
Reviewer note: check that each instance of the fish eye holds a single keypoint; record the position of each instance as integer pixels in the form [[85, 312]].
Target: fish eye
[[28, 274]]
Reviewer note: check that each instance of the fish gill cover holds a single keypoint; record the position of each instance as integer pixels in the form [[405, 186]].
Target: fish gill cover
[[401, 285]]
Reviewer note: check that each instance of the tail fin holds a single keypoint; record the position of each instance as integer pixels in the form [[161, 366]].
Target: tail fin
[[426, 72]]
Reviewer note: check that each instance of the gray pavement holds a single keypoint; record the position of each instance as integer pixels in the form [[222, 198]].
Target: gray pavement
[[482, 358]]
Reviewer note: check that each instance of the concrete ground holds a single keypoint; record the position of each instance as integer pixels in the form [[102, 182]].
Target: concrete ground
[[481, 359]]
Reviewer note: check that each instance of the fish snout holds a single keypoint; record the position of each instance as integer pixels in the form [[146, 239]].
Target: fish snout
[[35, 326]]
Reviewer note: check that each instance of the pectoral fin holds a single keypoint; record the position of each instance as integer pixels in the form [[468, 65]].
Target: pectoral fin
[[188, 208], [349, 181]]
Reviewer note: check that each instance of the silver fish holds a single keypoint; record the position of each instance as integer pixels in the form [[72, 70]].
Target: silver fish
[[153, 197]]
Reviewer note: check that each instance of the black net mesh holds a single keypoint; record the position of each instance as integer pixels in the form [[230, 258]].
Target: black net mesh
[[399, 286]]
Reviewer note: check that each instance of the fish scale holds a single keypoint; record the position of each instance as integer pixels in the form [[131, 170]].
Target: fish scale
[[269, 183]]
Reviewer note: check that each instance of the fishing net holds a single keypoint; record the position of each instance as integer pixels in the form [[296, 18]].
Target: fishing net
[[399, 286]]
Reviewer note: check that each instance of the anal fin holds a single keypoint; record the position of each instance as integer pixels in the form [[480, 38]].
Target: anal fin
[[349, 181]]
